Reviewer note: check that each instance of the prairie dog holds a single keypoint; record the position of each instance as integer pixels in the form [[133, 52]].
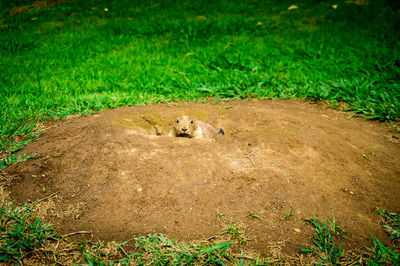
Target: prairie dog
[[185, 126]]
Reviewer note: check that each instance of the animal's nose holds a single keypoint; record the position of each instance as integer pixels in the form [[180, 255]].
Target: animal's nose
[[184, 129]]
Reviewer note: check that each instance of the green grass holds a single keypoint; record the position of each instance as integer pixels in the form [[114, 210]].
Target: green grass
[[327, 249], [327, 233], [234, 231], [77, 58], [219, 213], [157, 249], [391, 224], [14, 159], [21, 232], [288, 214], [382, 255]]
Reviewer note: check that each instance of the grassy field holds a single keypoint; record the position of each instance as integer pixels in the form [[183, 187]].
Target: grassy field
[[79, 57], [85, 56]]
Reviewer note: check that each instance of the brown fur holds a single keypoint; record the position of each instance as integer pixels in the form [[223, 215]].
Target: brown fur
[[185, 126]]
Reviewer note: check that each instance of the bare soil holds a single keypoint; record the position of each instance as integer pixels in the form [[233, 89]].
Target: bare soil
[[113, 175]]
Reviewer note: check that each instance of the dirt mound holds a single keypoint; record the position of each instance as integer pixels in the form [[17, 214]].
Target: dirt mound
[[114, 176]]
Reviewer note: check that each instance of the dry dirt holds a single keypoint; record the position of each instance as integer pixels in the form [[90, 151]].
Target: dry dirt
[[115, 177]]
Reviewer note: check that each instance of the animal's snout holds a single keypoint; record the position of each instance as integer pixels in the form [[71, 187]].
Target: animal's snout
[[184, 129]]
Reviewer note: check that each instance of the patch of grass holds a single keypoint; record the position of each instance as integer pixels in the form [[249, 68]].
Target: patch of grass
[[330, 253], [382, 255], [21, 232], [162, 250], [234, 231], [391, 224], [12, 159], [156, 249], [75, 58], [16, 146], [14, 142], [25, 135], [327, 250]]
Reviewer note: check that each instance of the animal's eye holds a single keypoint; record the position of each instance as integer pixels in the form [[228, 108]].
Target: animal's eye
[[191, 121], [177, 121]]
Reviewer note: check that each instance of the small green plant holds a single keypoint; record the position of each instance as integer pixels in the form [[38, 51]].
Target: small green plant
[[373, 151], [327, 250], [364, 156], [288, 214], [392, 223], [21, 232], [219, 214], [234, 231], [253, 214], [336, 229], [382, 255]]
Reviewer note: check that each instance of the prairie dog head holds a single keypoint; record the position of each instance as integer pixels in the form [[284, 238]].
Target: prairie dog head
[[184, 126]]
